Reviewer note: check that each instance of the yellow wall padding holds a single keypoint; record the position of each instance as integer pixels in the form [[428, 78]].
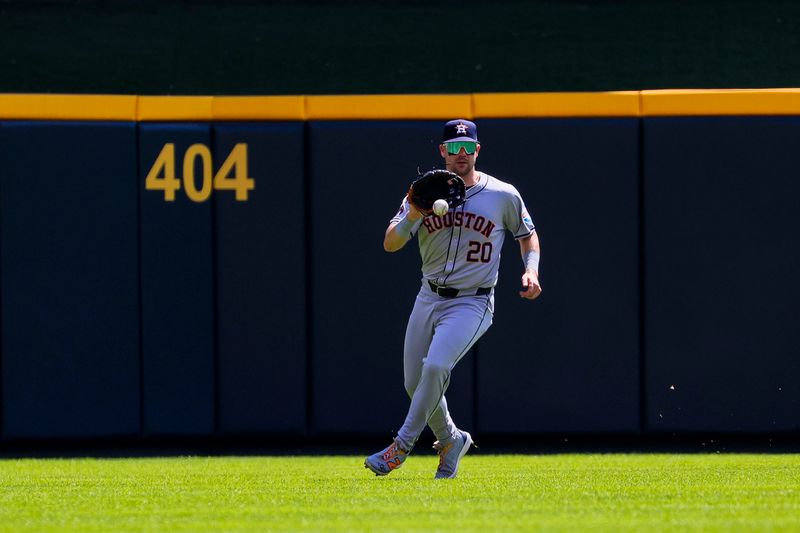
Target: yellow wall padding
[[721, 102], [674, 102], [389, 106], [163, 108], [258, 108], [512, 105], [67, 107]]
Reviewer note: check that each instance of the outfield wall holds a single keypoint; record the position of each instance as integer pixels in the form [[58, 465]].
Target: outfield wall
[[213, 265]]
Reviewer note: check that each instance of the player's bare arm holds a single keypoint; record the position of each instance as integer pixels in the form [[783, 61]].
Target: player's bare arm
[[530, 250], [394, 240]]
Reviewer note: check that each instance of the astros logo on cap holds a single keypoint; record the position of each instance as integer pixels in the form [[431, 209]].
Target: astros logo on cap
[[461, 128]]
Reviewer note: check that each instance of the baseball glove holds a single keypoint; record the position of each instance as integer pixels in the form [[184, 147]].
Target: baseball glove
[[434, 185]]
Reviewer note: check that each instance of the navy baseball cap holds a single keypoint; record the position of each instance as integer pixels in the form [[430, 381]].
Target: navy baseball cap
[[460, 130]]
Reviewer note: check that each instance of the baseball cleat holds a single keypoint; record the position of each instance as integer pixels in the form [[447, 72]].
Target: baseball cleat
[[450, 454], [386, 460]]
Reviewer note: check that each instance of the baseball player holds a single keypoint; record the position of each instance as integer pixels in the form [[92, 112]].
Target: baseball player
[[460, 259]]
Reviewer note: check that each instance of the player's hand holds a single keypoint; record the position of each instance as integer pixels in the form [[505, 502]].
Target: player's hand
[[530, 284], [415, 213]]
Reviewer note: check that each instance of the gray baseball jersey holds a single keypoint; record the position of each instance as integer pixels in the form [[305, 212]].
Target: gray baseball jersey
[[460, 250]]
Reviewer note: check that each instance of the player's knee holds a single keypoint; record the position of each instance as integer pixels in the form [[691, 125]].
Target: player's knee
[[436, 371]]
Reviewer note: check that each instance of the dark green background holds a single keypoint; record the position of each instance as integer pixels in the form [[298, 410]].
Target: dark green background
[[238, 47]]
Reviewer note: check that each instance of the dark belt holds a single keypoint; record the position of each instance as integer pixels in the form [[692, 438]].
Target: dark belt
[[449, 292]]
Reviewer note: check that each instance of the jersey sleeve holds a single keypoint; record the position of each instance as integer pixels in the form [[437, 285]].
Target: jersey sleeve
[[405, 207], [517, 218], [401, 213]]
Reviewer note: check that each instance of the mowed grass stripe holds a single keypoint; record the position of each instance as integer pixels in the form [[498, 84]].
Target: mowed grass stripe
[[718, 492]]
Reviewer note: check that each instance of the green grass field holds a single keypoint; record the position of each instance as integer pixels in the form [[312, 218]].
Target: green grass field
[[743, 492]]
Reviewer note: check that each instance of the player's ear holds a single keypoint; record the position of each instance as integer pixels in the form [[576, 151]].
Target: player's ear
[[442, 150], [477, 149]]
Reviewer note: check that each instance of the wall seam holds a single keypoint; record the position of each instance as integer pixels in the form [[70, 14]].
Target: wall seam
[[475, 387], [2, 317], [140, 270], [216, 360], [308, 235], [642, 280]]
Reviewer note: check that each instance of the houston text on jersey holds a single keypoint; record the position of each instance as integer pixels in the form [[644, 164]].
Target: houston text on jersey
[[458, 219]]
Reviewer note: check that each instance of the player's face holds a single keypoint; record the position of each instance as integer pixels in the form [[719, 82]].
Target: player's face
[[461, 163]]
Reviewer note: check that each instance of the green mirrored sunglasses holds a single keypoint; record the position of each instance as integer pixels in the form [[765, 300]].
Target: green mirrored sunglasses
[[455, 147]]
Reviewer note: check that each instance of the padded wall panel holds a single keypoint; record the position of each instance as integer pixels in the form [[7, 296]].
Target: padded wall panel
[[722, 258], [360, 172], [569, 361], [177, 291], [69, 279], [261, 282]]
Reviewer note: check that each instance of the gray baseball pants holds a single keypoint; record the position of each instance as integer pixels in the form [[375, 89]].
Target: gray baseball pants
[[440, 332]]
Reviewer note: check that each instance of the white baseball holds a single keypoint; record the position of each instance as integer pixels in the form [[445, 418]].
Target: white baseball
[[440, 207]]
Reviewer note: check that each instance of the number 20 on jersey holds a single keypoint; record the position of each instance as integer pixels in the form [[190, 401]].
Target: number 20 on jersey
[[231, 176]]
